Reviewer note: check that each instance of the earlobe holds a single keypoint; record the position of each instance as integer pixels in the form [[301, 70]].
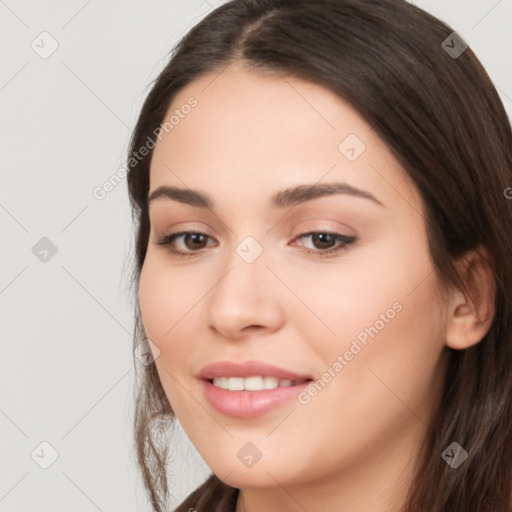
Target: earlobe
[[471, 310]]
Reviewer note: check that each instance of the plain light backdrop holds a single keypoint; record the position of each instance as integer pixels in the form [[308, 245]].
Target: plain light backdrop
[[66, 327]]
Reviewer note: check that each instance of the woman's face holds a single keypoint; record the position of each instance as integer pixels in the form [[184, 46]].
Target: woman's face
[[357, 314]]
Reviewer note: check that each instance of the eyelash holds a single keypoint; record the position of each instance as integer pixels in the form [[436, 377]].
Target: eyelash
[[345, 240]]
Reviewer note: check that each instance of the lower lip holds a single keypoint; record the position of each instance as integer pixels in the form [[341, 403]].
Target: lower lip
[[249, 404]]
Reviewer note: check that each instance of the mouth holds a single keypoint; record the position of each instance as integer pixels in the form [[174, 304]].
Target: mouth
[[250, 389]]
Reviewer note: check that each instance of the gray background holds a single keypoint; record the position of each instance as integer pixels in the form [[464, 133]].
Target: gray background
[[66, 368]]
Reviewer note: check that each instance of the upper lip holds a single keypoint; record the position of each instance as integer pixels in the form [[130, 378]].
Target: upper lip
[[248, 369]]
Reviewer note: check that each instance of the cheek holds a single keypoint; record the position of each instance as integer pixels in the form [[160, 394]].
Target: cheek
[[383, 312], [390, 344], [163, 304], [153, 300], [170, 300], [345, 298], [162, 300], [390, 384], [165, 294]]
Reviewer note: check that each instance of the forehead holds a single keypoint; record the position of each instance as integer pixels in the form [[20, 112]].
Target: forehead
[[259, 132]]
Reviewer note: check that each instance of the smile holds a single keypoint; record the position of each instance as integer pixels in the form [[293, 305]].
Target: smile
[[254, 383]]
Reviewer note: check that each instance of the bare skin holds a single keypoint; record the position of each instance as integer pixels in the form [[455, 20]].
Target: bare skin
[[353, 445]]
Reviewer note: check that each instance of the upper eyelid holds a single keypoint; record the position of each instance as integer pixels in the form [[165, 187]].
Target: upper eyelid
[[318, 228], [302, 233]]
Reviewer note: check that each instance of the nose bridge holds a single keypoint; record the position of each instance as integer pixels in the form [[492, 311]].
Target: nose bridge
[[244, 295], [244, 276]]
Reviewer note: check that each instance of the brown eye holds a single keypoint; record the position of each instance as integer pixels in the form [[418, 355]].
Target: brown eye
[[191, 243], [327, 244], [323, 240], [194, 240]]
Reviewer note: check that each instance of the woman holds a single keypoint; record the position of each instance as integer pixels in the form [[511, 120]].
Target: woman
[[323, 262]]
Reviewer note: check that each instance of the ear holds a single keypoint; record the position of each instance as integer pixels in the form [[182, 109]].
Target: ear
[[471, 310]]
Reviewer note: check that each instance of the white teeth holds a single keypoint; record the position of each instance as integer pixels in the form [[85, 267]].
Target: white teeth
[[221, 382], [270, 382], [235, 383], [253, 383]]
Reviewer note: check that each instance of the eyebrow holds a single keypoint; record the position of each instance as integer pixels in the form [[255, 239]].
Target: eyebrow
[[283, 199]]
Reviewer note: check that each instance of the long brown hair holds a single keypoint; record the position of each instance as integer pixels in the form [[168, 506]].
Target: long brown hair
[[442, 118]]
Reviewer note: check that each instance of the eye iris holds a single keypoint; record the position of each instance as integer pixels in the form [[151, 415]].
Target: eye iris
[[322, 236], [195, 237]]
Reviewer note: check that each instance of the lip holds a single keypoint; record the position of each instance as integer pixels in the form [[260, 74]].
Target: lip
[[244, 403], [248, 369], [249, 404]]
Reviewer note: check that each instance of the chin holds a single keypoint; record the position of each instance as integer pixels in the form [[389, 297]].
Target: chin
[[263, 474], [251, 478]]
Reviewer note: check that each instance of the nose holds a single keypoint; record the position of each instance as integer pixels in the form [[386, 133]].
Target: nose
[[247, 297]]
